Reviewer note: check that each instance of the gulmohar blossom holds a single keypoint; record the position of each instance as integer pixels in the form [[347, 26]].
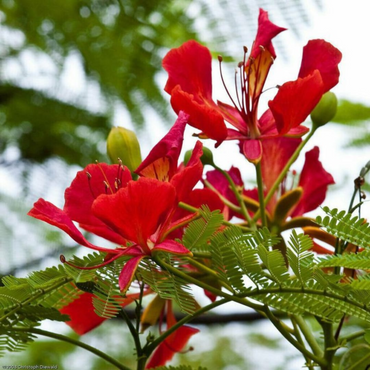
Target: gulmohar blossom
[[190, 86]]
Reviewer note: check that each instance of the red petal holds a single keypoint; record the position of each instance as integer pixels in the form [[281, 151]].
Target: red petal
[[219, 182], [265, 33], [138, 210], [46, 211], [161, 163], [190, 66], [187, 177], [315, 181], [174, 343], [85, 188], [82, 315], [252, 149], [321, 55], [206, 117], [128, 271], [295, 100], [276, 154], [173, 247]]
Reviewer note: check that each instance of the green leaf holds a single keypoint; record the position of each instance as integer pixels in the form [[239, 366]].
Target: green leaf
[[225, 259], [166, 285], [346, 227], [275, 263], [198, 232], [108, 299], [300, 260]]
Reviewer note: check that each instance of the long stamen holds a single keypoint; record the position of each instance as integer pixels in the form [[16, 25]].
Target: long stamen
[[223, 82], [106, 182], [88, 175]]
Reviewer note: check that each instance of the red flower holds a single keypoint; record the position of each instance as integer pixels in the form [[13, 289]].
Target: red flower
[[173, 344], [136, 215], [189, 84]]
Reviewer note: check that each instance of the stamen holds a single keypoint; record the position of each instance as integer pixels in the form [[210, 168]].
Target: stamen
[[107, 186], [90, 187], [106, 182], [224, 84]]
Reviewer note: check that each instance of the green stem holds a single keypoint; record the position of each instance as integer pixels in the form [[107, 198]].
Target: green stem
[[279, 326], [330, 343], [285, 171], [310, 338], [135, 336], [261, 193], [74, 342], [201, 284], [298, 335], [353, 336]]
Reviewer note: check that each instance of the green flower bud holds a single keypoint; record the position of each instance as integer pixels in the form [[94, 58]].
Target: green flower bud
[[325, 110], [123, 144], [206, 158]]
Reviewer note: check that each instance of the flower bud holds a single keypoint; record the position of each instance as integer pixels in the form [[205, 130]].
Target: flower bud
[[206, 158], [123, 144], [325, 110]]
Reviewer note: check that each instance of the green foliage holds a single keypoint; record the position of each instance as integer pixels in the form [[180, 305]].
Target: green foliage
[[350, 113], [198, 233], [346, 227], [25, 302], [299, 257], [108, 298], [167, 285], [225, 260]]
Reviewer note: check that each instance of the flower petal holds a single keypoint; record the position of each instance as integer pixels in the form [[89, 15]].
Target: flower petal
[[173, 247], [190, 66], [206, 117], [128, 271], [85, 188], [323, 56], [136, 212], [82, 314], [48, 212], [187, 177], [174, 343], [161, 163], [315, 181], [252, 149], [295, 100], [265, 33], [276, 153], [189, 83]]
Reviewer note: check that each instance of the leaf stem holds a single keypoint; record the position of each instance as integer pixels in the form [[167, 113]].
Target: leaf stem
[[74, 342], [261, 193], [310, 338]]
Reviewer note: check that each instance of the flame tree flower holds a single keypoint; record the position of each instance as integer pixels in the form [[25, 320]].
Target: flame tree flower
[[134, 214], [189, 84]]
